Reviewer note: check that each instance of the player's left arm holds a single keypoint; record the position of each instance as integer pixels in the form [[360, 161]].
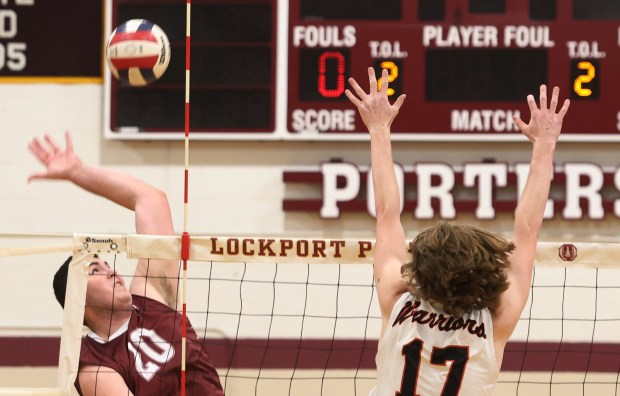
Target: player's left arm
[[155, 279], [543, 131]]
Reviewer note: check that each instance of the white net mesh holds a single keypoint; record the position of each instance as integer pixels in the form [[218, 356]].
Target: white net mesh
[[294, 317]]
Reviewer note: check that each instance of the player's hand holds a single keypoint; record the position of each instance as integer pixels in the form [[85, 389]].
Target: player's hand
[[374, 107], [545, 124], [59, 163]]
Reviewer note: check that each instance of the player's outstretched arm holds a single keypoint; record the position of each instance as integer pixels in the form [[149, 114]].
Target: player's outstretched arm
[[543, 131], [151, 207], [390, 251]]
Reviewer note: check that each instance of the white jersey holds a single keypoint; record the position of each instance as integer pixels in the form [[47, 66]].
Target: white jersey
[[426, 352]]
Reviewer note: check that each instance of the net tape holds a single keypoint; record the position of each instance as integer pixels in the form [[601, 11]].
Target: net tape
[[294, 250]]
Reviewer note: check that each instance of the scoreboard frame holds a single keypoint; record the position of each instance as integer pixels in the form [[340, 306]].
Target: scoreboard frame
[[572, 50]]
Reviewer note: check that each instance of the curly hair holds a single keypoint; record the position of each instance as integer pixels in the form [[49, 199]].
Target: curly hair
[[460, 267]]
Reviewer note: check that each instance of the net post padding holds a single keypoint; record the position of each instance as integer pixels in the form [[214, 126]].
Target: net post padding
[[84, 249], [72, 320]]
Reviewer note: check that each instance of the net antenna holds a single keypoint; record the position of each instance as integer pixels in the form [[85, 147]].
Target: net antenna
[[185, 238]]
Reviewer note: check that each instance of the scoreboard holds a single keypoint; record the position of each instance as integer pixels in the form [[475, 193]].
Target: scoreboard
[[278, 69], [38, 41]]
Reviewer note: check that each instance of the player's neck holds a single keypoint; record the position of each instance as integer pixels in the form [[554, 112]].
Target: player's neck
[[106, 323]]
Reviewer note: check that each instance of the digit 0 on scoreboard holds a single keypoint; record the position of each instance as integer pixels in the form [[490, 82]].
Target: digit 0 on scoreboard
[[466, 66], [326, 70]]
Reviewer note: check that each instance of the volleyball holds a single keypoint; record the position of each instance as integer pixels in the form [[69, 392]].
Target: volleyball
[[138, 52]]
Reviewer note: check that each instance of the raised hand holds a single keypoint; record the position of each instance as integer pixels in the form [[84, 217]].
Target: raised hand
[[545, 124], [374, 107], [59, 163]]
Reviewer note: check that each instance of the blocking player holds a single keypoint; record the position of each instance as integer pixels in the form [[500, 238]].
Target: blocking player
[[451, 301]]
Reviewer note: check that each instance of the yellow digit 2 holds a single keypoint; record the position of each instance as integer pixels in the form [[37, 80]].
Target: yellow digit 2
[[393, 70], [584, 79]]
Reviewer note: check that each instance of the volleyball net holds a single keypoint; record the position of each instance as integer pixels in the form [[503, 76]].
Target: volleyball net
[[283, 316]]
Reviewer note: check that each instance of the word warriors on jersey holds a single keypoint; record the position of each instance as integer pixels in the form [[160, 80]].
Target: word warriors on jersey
[[443, 323]]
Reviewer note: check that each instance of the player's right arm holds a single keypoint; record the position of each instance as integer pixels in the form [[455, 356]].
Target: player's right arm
[[543, 131], [102, 381], [390, 250], [150, 205]]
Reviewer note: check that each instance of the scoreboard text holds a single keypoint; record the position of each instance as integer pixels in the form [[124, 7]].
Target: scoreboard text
[[278, 69]]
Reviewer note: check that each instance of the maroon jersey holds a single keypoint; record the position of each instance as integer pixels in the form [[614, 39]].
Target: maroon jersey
[[147, 353]]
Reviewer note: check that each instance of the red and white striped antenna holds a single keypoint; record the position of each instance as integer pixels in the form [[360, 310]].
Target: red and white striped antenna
[[185, 238]]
